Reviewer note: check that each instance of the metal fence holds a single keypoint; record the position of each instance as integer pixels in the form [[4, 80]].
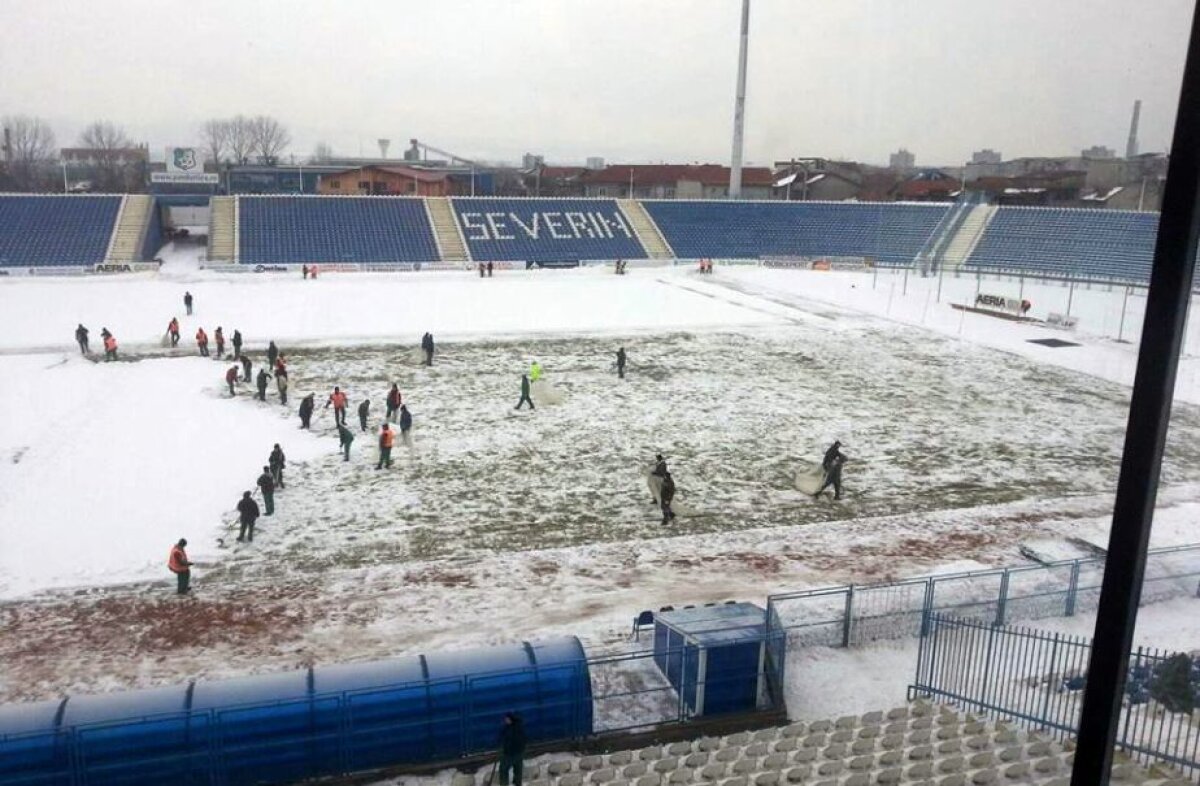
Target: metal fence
[[1037, 678], [852, 615]]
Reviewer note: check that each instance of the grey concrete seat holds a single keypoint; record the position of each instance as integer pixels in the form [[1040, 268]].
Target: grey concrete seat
[[741, 738], [922, 770], [766, 735], [602, 775], [767, 779], [847, 722], [560, 767], [620, 758], [588, 763], [984, 777], [949, 747], [679, 748], [828, 768], [898, 713], [462, 779], [1012, 753], [805, 755], [859, 747], [1017, 770], [890, 758], [860, 763], [651, 753], [635, 770], [714, 772], [920, 753], [815, 741], [836, 750], [1047, 765], [786, 744], [571, 779], [650, 779], [744, 766], [708, 744], [951, 764], [756, 749], [870, 732], [739, 781], [889, 776], [924, 722], [667, 764], [682, 775], [981, 760], [871, 718], [696, 759], [776, 761], [892, 741], [794, 730], [842, 735], [798, 774], [821, 725], [956, 779], [729, 754]]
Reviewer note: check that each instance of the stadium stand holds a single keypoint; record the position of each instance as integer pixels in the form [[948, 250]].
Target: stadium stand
[[546, 230], [921, 743], [56, 231], [1068, 241], [298, 229], [893, 233]]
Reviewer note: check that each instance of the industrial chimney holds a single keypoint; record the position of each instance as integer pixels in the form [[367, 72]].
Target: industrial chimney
[[383, 147], [1131, 147]]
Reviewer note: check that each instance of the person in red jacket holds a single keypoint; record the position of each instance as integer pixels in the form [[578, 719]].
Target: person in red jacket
[[202, 342], [231, 378], [110, 348], [393, 402], [220, 337], [338, 399], [179, 564], [173, 331]]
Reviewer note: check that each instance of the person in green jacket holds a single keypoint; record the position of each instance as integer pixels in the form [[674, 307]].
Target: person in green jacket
[[525, 392], [345, 438]]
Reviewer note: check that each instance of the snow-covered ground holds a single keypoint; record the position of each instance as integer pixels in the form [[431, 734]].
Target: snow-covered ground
[[496, 525]]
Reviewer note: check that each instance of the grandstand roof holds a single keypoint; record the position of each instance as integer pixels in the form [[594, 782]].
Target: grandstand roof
[[669, 174]]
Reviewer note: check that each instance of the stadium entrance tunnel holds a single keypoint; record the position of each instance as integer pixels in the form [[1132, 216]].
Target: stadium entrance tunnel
[[310, 723]]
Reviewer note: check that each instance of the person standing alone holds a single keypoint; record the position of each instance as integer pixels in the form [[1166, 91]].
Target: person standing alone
[[621, 363], [512, 749], [525, 393], [179, 564], [364, 411], [81, 338], [248, 514], [187, 302]]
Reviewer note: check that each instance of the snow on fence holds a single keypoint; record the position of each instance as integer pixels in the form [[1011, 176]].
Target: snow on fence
[[1037, 678], [853, 615]]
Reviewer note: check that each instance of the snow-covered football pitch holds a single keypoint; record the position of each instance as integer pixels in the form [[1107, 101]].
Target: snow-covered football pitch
[[497, 524]]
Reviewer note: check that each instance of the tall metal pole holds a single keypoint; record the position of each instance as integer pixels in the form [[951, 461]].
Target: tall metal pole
[[739, 108], [1145, 434]]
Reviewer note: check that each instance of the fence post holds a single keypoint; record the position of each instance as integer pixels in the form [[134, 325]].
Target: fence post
[[847, 617], [1050, 670], [874, 275], [905, 290], [1070, 295], [1124, 303], [928, 609], [1003, 600], [1072, 589]]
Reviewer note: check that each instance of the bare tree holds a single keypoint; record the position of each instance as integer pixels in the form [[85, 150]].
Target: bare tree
[[110, 147], [215, 134], [240, 138], [321, 154], [30, 152], [270, 138]]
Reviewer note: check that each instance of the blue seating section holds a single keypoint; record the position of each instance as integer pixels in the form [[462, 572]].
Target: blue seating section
[[546, 230], [1089, 243], [298, 229], [887, 232], [56, 231]]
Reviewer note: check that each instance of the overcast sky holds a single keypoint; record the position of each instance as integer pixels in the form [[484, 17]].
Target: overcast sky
[[630, 80]]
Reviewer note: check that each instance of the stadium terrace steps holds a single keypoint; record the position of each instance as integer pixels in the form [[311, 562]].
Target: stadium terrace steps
[[125, 245], [920, 743], [551, 231], [56, 230], [221, 236], [644, 227], [446, 230], [968, 236], [325, 229], [893, 233]]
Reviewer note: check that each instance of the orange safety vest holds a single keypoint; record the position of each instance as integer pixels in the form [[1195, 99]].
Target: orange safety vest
[[387, 438], [177, 562], [339, 400]]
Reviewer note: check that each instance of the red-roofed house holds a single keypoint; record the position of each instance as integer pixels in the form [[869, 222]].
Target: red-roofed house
[[387, 180]]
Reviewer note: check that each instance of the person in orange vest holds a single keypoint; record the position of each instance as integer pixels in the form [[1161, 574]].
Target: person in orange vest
[[387, 438], [231, 378], [202, 342], [173, 332], [110, 348], [179, 564], [338, 399], [312, 272], [220, 337]]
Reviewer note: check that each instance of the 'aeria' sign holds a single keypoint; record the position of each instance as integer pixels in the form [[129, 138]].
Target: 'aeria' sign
[[553, 225]]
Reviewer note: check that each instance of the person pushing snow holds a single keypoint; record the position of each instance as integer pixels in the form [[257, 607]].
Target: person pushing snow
[[345, 440], [81, 338], [307, 404], [832, 466], [525, 393], [231, 378]]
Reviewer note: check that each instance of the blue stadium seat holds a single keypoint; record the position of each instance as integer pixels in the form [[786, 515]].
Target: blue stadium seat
[[55, 231], [299, 229], [1068, 241], [546, 230], [888, 232]]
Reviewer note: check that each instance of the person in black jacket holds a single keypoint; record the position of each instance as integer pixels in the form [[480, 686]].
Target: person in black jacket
[[667, 496], [405, 424], [512, 749], [277, 461], [831, 454], [187, 302], [832, 464], [621, 363], [262, 378], [307, 404], [237, 344], [266, 484], [427, 347], [246, 364], [364, 411], [525, 393], [248, 509], [81, 338], [272, 354]]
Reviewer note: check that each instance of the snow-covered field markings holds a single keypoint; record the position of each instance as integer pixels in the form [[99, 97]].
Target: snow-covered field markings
[[499, 525]]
